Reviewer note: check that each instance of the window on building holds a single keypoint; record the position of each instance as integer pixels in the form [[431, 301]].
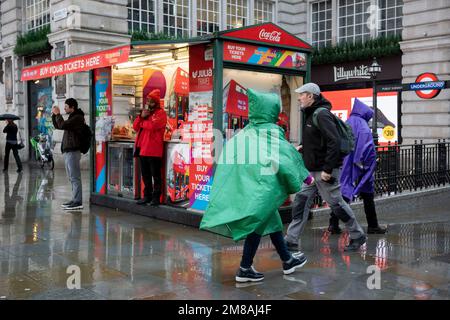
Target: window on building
[[207, 16], [263, 11], [141, 15], [176, 17], [37, 14], [391, 17], [236, 13], [321, 23], [353, 16]]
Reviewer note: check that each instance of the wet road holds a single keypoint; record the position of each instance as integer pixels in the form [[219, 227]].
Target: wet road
[[125, 256]]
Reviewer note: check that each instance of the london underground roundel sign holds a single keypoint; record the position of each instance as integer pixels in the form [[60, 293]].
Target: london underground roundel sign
[[427, 94]]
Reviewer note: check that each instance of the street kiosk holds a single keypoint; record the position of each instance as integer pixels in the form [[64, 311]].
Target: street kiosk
[[203, 83]]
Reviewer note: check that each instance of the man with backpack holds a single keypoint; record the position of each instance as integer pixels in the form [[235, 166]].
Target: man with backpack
[[71, 146], [325, 142]]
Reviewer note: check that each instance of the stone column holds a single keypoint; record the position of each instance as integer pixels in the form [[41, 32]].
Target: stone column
[[426, 48]]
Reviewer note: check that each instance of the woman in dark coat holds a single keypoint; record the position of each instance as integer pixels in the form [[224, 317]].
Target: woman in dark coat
[[11, 144]]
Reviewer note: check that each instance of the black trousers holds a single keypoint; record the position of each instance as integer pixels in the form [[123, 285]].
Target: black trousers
[[151, 168], [8, 148], [369, 209]]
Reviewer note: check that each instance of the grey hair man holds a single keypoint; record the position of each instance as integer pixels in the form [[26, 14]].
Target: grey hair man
[[322, 157]]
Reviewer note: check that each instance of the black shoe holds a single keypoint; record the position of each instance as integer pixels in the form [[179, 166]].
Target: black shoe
[[74, 206], [67, 204], [291, 246], [5, 170], [249, 274], [19, 170], [355, 244], [290, 267], [376, 230], [334, 230], [155, 203], [143, 201]]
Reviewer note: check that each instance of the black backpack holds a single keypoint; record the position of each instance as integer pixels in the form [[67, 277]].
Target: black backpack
[[344, 130], [86, 136]]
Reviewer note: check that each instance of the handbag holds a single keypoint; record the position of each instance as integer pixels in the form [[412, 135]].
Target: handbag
[[21, 144]]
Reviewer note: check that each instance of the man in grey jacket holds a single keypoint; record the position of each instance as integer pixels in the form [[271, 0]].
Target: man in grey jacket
[[70, 147]]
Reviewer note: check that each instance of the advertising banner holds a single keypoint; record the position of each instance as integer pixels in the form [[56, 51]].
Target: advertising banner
[[177, 172], [103, 107], [264, 56], [77, 64], [198, 131], [268, 33], [387, 106]]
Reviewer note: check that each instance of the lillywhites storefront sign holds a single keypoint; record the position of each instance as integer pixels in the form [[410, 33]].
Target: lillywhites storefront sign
[[361, 72]]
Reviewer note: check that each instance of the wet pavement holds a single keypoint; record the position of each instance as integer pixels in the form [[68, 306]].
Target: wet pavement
[[126, 256]]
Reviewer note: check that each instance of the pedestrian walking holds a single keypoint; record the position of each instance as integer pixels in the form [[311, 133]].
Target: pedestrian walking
[[245, 195], [150, 126], [11, 131], [359, 166], [322, 156], [70, 147]]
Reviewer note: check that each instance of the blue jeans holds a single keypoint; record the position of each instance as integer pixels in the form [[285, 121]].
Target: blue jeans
[[251, 245]]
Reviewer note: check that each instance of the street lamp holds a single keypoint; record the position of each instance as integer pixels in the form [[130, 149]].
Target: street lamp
[[374, 70]]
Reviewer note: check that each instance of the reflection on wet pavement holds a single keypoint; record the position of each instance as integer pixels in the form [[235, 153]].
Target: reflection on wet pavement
[[125, 256]]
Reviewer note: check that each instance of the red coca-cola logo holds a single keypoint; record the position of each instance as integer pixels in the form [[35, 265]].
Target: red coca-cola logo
[[271, 36]]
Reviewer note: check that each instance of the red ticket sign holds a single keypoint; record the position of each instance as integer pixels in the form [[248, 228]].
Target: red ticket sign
[[200, 68], [80, 63]]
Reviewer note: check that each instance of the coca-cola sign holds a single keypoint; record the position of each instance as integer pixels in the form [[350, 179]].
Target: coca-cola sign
[[270, 35], [267, 33]]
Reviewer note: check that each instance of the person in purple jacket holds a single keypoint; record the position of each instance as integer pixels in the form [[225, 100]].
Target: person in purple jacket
[[358, 169]]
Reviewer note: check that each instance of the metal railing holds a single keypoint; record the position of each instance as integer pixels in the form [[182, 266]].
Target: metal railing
[[403, 168], [412, 167]]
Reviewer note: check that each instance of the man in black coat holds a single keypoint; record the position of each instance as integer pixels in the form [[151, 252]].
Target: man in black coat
[[322, 157], [70, 147]]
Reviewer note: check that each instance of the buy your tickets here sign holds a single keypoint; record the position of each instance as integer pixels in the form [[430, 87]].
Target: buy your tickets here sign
[[77, 64]]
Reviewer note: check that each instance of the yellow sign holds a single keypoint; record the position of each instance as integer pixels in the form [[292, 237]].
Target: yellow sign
[[388, 133]]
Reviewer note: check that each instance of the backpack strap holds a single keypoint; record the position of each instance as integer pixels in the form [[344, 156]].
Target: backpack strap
[[316, 114]]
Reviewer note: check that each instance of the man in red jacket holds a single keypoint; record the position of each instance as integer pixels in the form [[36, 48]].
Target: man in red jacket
[[150, 126]]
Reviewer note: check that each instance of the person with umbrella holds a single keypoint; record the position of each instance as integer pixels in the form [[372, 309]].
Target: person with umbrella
[[11, 141]]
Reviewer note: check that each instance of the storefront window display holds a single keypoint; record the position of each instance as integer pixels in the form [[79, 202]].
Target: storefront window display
[[40, 104]]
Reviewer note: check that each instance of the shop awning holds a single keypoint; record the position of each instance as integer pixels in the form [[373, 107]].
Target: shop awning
[[84, 62]]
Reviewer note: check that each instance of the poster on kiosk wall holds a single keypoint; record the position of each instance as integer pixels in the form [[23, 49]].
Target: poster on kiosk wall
[[387, 105], [198, 130], [103, 124]]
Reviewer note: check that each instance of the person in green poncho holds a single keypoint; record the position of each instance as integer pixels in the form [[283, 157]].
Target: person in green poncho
[[255, 173]]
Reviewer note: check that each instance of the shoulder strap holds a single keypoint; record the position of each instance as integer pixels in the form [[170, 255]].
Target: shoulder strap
[[316, 114]]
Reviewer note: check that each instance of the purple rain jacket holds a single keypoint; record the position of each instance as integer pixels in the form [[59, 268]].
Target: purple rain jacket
[[359, 166]]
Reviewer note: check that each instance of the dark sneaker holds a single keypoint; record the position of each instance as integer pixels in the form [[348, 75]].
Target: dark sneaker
[[290, 267], [248, 275], [355, 244], [377, 230], [297, 254], [155, 203], [334, 230], [292, 246], [143, 201], [74, 206], [67, 204]]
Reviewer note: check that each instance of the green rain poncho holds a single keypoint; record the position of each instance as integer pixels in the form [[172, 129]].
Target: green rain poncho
[[257, 170]]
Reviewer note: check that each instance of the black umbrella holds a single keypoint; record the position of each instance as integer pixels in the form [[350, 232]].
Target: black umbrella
[[9, 116]]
